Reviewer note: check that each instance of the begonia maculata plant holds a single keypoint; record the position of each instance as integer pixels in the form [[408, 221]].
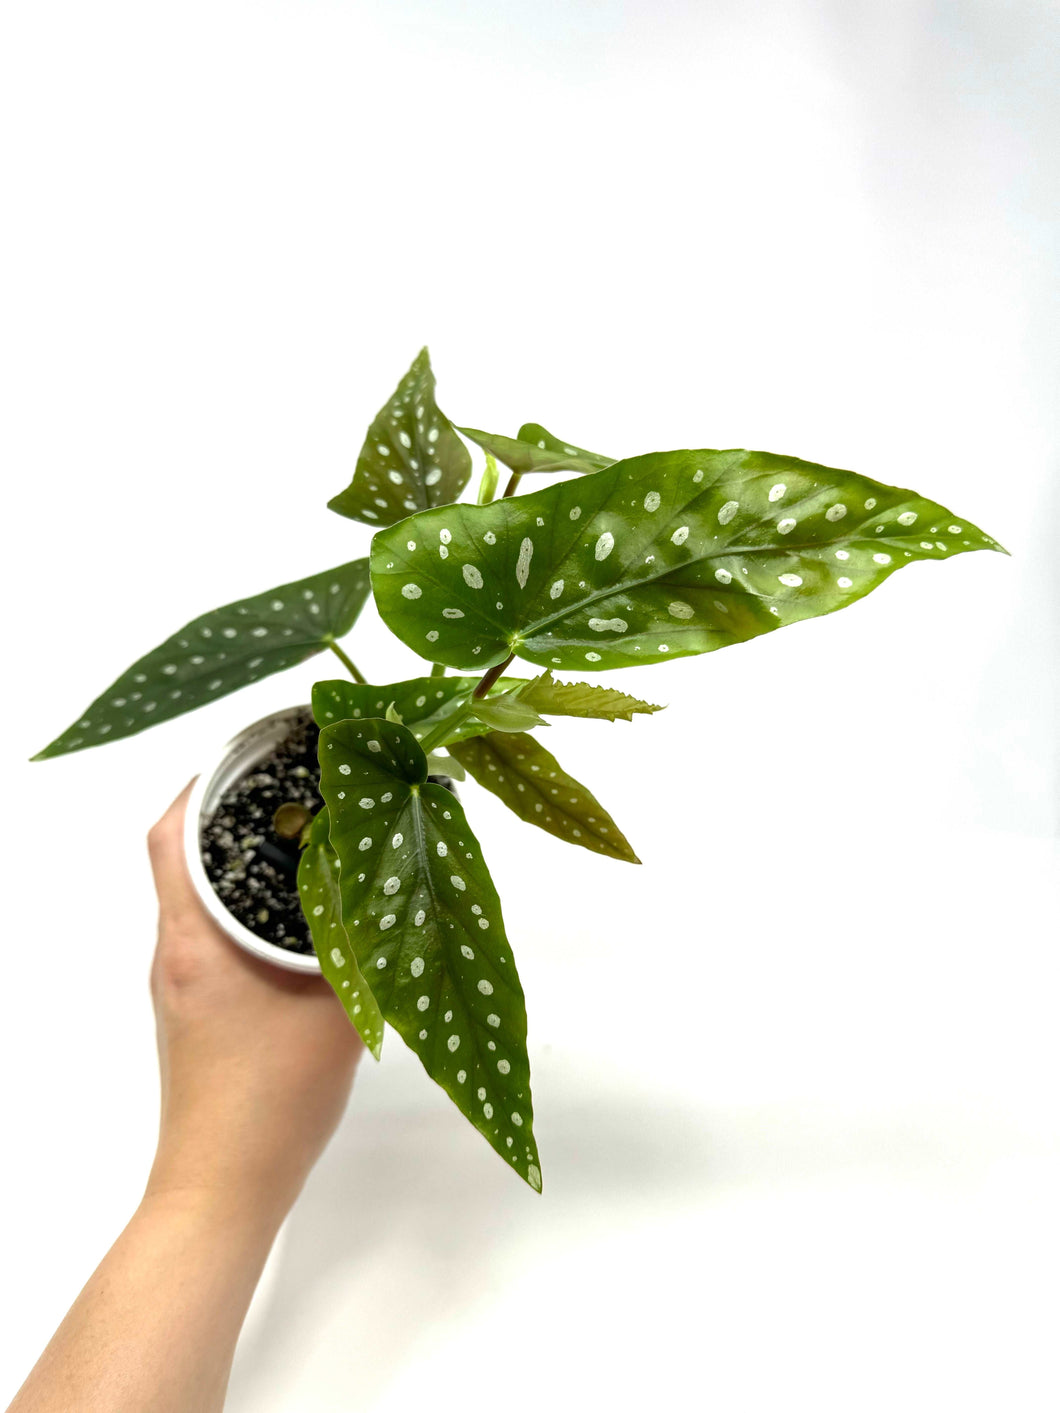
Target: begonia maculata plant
[[613, 563]]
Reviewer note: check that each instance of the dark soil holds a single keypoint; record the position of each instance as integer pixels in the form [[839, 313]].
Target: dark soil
[[253, 870]]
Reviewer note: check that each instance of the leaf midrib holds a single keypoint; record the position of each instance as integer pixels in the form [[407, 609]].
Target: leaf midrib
[[534, 629]]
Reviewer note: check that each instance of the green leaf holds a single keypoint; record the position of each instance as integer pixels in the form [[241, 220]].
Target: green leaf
[[530, 781], [221, 652], [507, 712], [318, 887], [441, 763], [553, 698], [658, 557], [534, 433], [425, 922], [536, 450], [411, 458], [422, 703]]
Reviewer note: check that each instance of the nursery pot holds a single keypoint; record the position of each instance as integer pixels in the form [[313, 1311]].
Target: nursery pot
[[237, 759]]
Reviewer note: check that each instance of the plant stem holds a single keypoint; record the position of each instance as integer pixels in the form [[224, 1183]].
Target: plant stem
[[513, 484], [441, 731], [346, 662], [445, 728], [437, 669], [488, 678]]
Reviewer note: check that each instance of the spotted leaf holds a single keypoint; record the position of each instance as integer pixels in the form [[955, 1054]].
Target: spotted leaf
[[221, 652], [422, 703], [532, 783], [534, 449], [425, 922], [411, 458], [318, 887], [661, 556], [553, 698]]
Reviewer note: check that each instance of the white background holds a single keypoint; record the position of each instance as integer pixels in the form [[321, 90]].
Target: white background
[[795, 1079]]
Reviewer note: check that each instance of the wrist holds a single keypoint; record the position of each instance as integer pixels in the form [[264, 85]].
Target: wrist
[[216, 1200]]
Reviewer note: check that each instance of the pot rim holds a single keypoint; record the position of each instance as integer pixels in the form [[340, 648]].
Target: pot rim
[[232, 762]]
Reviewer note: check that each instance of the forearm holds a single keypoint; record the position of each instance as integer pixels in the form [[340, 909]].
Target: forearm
[[156, 1325]]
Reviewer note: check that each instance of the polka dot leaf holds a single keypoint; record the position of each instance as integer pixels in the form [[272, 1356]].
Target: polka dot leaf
[[411, 458], [660, 556], [425, 923], [318, 887], [534, 449], [221, 652], [532, 783]]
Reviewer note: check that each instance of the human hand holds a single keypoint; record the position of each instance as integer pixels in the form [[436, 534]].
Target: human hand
[[256, 1062]]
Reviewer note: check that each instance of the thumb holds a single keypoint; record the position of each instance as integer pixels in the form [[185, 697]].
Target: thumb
[[165, 846]]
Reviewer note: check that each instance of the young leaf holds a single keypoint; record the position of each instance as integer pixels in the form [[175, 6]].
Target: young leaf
[[221, 652], [318, 888], [487, 486], [553, 698], [530, 781], [411, 458], [507, 712], [421, 703], [657, 557], [538, 451], [544, 441], [441, 763], [425, 922]]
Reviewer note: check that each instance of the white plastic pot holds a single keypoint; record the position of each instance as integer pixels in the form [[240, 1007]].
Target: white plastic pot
[[239, 757]]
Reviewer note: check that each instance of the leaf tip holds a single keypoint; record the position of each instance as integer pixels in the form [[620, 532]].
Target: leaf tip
[[53, 749]]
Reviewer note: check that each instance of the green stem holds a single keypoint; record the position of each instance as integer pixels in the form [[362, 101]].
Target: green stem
[[445, 728], [347, 663], [441, 731], [513, 484], [437, 669]]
